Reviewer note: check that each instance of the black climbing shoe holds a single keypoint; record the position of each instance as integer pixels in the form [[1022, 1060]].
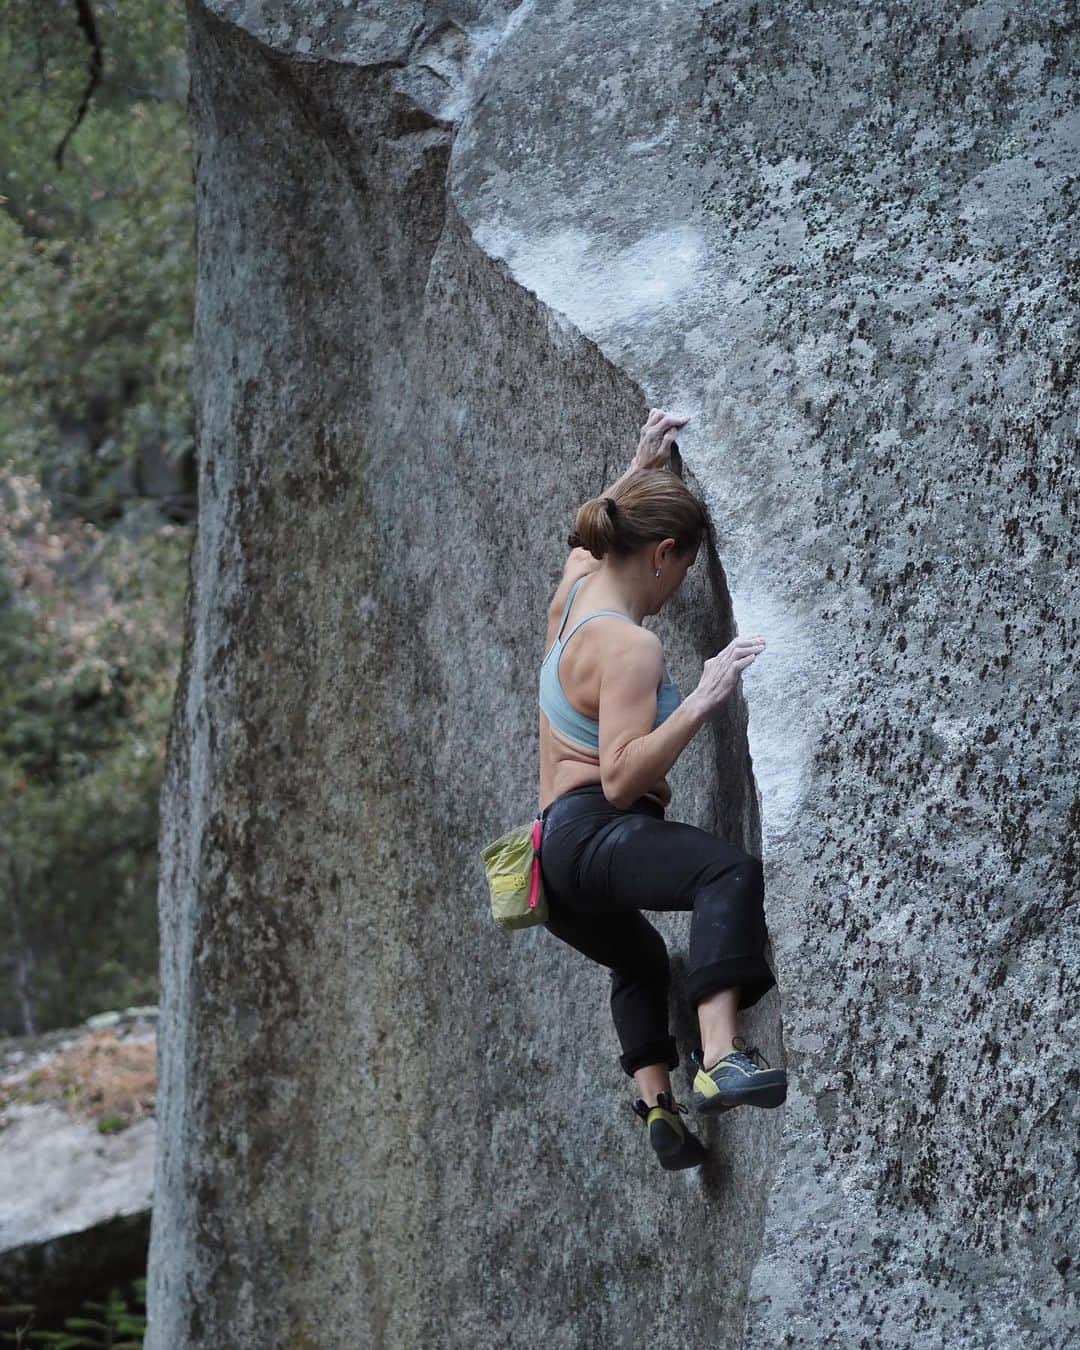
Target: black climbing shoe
[[672, 1142], [737, 1080]]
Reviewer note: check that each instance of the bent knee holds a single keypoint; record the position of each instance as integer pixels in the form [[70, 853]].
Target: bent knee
[[744, 871]]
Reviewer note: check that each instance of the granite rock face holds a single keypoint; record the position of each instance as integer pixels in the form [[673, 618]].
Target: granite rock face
[[448, 256]]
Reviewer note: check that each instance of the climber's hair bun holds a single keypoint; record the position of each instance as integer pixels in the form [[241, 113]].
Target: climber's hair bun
[[651, 504], [594, 526]]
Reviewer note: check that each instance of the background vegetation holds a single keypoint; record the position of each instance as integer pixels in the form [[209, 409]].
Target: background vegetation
[[97, 493]]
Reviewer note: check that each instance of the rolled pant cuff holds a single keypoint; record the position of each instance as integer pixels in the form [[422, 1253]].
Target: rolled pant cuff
[[749, 974], [654, 1052]]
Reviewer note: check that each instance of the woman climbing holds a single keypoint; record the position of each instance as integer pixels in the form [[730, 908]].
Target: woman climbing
[[612, 723]]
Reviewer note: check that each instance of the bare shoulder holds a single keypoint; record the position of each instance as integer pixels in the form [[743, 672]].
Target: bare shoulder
[[579, 563], [641, 645], [631, 672]]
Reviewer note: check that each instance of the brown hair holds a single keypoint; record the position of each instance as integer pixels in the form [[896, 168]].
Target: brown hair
[[652, 504]]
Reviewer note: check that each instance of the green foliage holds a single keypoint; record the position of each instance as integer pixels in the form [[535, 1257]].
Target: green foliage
[[96, 256], [89, 643], [96, 283], [116, 1327]]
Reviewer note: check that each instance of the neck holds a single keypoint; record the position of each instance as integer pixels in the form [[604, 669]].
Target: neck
[[628, 588]]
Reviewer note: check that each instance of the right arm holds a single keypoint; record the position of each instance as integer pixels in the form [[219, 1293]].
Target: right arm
[[633, 757]]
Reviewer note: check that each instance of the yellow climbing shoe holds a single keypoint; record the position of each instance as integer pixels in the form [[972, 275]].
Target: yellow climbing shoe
[[740, 1078], [672, 1142]]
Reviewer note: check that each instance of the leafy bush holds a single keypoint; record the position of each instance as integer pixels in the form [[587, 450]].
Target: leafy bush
[[96, 282], [117, 1327], [96, 256]]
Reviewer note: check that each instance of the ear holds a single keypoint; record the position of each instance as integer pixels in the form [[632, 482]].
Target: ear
[[662, 552]]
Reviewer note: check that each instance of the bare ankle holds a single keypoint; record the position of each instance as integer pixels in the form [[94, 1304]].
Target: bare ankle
[[651, 1080], [714, 1051]]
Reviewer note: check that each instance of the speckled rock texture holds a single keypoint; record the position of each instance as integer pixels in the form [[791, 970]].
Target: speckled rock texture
[[448, 257]]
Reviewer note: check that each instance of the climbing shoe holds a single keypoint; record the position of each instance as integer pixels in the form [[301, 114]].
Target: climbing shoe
[[672, 1142], [740, 1078]]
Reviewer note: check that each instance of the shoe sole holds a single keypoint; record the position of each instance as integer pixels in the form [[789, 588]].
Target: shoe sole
[[754, 1094]]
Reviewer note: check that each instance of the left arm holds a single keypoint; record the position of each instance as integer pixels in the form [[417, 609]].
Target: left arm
[[654, 445]]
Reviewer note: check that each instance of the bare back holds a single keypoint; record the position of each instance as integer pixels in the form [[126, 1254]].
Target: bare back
[[563, 764]]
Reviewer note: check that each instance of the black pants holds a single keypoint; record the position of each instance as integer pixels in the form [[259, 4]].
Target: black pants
[[601, 865]]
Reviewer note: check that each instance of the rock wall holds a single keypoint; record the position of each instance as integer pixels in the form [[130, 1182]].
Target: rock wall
[[448, 254]]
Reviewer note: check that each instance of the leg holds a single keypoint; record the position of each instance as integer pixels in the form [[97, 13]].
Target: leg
[[727, 940], [651, 1080], [658, 864], [716, 1018], [640, 975], [604, 867]]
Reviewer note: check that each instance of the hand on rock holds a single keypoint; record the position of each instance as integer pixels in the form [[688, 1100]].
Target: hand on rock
[[657, 438]]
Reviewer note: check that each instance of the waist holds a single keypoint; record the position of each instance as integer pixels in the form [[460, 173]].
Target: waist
[[592, 795]]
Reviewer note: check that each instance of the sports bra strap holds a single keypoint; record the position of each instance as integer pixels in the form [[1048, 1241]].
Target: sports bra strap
[[595, 612], [585, 618], [569, 602]]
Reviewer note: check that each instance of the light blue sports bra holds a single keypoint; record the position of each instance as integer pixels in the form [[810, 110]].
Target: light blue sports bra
[[563, 716]]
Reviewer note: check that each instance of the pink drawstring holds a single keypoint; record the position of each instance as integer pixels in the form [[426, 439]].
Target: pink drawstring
[[534, 884]]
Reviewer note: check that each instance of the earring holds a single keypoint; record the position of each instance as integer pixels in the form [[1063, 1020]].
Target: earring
[[657, 573]]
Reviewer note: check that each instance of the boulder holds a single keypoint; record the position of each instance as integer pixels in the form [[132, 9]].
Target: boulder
[[76, 1160], [448, 256]]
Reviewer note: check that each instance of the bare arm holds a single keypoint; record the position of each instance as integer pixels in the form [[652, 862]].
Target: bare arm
[[654, 445], [633, 757], [578, 562]]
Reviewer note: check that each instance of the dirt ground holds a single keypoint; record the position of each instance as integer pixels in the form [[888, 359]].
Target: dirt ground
[[107, 1074]]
